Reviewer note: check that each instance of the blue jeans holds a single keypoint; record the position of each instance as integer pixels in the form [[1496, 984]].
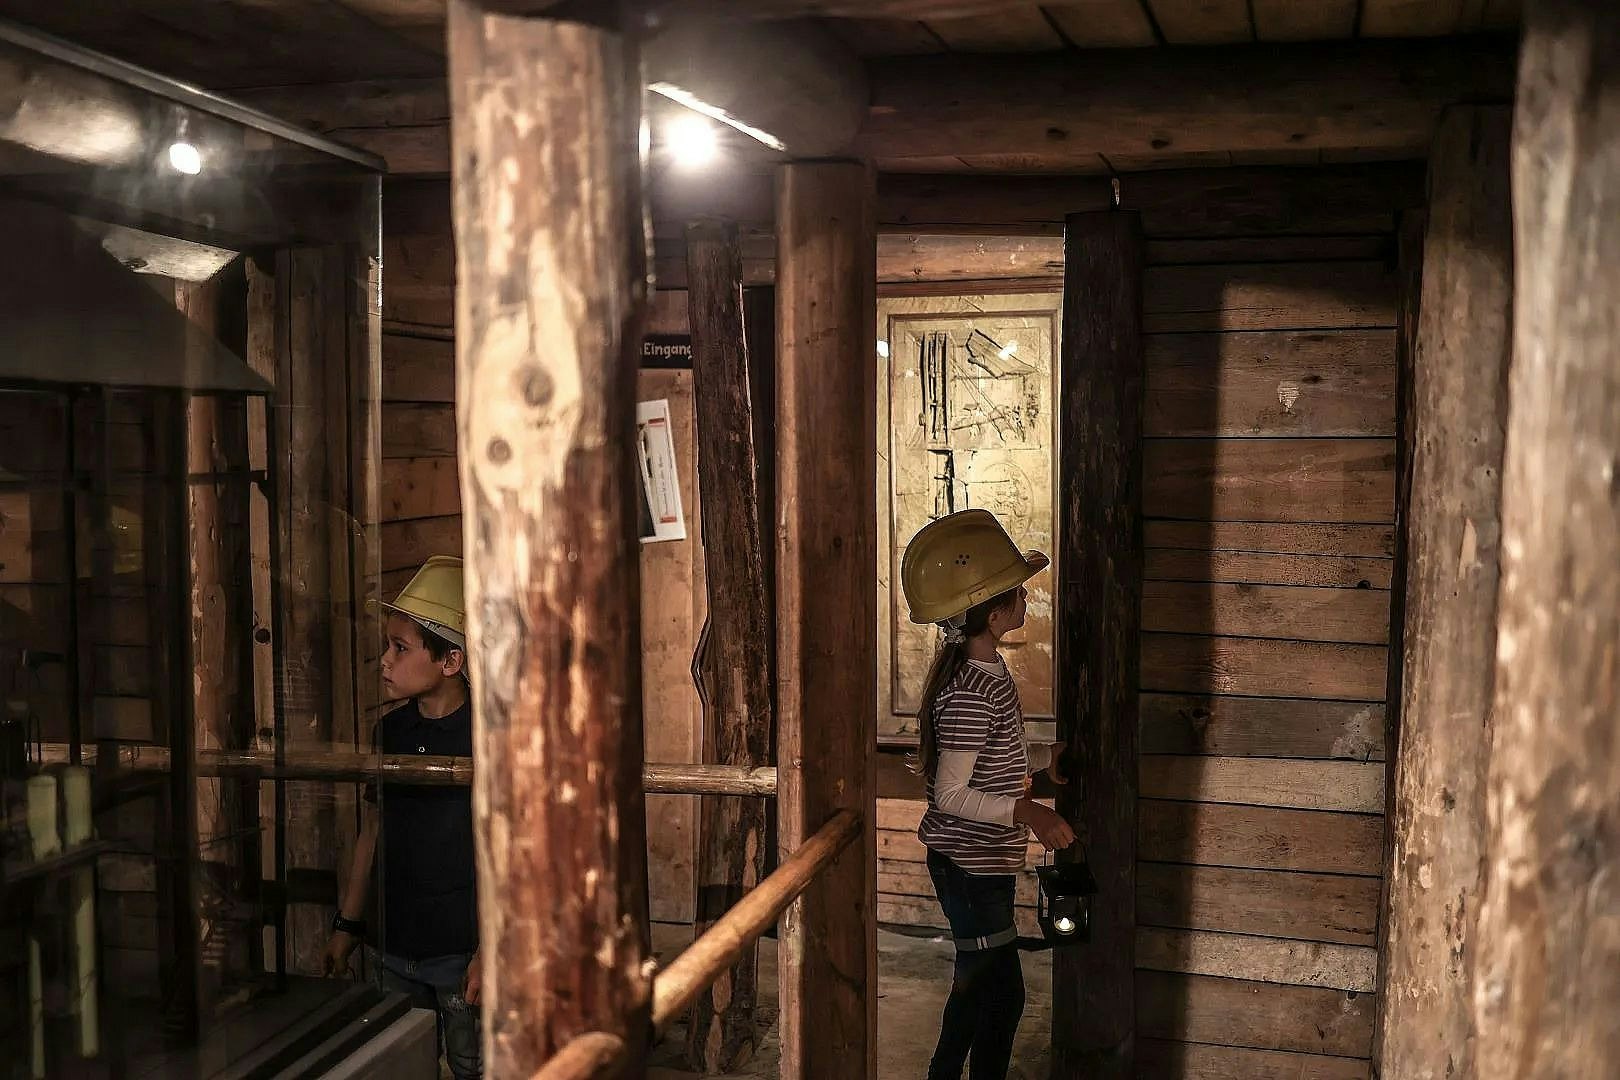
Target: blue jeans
[[435, 983], [987, 989]]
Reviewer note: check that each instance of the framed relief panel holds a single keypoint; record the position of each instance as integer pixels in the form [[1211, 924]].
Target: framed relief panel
[[966, 387]]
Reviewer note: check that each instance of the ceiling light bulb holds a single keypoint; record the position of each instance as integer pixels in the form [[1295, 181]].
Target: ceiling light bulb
[[185, 158], [693, 142], [1008, 349]]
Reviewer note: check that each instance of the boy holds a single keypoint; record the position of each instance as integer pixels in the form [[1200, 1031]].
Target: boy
[[428, 947]]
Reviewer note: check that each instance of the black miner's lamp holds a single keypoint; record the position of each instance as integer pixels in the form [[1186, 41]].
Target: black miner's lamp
[[1064, 906]]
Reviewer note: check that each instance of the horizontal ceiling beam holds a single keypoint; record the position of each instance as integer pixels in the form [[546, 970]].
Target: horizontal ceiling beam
[[1058, 111], [1076, 112], [793, 9], [1250, 201]]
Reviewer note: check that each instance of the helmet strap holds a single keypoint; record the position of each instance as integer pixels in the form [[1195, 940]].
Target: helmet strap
[[955, 629]]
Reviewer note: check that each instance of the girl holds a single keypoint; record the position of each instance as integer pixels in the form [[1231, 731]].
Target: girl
[[964, 573]]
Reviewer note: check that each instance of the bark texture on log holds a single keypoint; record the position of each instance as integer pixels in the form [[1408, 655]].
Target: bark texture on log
[[733, 662], [826, 572], [1453, 521], [551, 256], [1548, 971], [1099, 629]]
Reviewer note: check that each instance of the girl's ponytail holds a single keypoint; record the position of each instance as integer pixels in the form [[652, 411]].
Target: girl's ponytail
[[947, 662]]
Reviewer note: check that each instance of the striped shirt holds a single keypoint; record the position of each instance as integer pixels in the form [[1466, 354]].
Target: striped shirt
[[978, 713]]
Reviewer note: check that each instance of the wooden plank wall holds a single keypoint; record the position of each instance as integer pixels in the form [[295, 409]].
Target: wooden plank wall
[[1269, 470], [421, 500]]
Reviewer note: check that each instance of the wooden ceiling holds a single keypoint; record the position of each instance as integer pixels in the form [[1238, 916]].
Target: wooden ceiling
[[1100, 24], [229, 44]]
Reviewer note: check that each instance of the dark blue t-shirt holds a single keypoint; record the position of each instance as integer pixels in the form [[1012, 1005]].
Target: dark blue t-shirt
[[429, 899]]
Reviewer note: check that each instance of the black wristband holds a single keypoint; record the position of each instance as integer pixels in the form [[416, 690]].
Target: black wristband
[[354, 927]]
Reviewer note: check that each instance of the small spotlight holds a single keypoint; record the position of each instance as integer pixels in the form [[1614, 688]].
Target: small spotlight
[[883, 349], [692, 141], [185, 158], [1007, 350]]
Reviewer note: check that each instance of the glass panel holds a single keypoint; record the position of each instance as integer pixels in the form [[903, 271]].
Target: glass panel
[[189, 394]]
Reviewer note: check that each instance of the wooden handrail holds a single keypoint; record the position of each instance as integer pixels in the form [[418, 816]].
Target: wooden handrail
[[696, 969], [595, 1054], [348, 765]]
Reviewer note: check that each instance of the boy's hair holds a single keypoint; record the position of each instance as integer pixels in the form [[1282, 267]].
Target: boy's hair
[[440, 648], [437, 647]]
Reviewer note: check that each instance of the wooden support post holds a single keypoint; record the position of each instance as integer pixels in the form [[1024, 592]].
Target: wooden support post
[[1409, 229], [1548, 969], [312, 466], [550, 256], [733, 662], [826, 575], [1099, 629], [220, 604], [1453, 529]]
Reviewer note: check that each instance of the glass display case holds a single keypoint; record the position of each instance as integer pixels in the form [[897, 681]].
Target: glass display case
[[189, 396]]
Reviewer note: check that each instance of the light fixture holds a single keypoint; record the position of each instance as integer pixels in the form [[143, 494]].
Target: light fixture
[[698, 105], [1007, 350], [1063, 906], [883, 349], [185, 158], [692, 141]]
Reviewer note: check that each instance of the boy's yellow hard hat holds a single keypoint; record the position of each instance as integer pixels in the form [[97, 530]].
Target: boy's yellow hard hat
[[959, 561], [434, 599]]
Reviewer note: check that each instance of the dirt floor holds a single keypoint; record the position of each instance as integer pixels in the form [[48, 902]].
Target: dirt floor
[[914, 977]]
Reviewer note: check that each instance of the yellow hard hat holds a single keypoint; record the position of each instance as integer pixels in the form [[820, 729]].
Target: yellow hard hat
[[433, 598], [959, 561]]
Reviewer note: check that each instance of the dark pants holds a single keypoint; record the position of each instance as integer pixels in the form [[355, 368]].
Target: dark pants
[[435, 984], [987, 992]]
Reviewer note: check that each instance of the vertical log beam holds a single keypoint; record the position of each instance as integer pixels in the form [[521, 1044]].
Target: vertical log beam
[[1459, 412], [826, 572], [734, 651], [312, 346], [1409, 229], [1099, 629], [551, 269], [1548, 970]]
